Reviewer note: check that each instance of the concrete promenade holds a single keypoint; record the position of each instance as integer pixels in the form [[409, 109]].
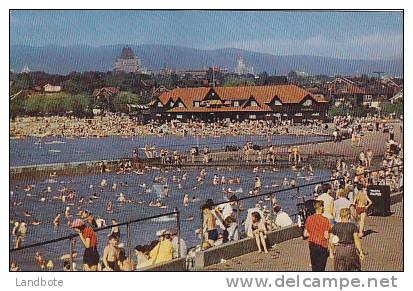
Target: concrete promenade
[[376, 141], [383, 245]]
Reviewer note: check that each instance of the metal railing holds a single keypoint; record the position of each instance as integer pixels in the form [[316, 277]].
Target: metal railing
[[72, 238]]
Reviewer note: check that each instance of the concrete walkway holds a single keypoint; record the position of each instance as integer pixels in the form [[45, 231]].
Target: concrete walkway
[[376, 141], [383, 245]]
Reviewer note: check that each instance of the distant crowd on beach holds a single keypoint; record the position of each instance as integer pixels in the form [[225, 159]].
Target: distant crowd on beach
[[113, 125]]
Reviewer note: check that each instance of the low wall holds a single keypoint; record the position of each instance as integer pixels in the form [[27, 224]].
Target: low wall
[[60, 168], [170, 266], [242, 247], [396, 198]]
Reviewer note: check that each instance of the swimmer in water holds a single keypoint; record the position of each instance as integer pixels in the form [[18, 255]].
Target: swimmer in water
[[36, 222], [186, 200], [103, 183], [67, 212], [109, 207], [216, 180], [121, 198], [56, 221]]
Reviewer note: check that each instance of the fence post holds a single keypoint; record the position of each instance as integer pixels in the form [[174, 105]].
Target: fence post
[[202, 227], [238, 221], [71, 251], [272, 209], [178, 230], [129, 241]]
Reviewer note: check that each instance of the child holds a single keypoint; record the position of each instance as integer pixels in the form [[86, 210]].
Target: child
[[259, 230]]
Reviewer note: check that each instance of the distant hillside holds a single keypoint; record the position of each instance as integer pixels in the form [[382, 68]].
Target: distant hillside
[[63, 60]]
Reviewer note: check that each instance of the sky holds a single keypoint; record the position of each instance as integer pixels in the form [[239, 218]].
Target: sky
[[350, 35]]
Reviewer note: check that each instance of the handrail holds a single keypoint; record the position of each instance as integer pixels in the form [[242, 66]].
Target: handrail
[[96, 230], [305, 185]]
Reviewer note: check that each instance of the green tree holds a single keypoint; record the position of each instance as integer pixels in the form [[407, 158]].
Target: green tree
[[123, 99], [388, 108]]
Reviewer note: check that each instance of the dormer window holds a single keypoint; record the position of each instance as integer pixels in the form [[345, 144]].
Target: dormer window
[[196, 104], [236, 103], [308, 102], [160, 104], [180, 104], [254, 103], [171, 104], [277, 103]]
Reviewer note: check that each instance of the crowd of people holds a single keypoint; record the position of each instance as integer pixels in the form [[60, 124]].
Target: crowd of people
[[115, 125]]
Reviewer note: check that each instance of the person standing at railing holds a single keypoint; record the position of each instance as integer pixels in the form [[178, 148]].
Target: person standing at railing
[[210, 223], [89, 240], [111, 255], [163, 251]]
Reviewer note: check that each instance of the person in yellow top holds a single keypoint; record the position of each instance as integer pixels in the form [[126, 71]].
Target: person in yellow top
[[163, 251]]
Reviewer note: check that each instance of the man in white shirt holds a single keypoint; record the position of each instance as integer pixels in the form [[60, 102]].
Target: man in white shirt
[[328, 202], [340, 203]]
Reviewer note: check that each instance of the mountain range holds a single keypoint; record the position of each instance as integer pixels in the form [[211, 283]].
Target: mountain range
[[66, 59]]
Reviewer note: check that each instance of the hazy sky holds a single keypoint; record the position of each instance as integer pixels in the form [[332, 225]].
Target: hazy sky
[[356, 35]]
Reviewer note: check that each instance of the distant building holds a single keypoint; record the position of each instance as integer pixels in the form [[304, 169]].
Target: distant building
[[277, 102], [25, 69], [202, 73], [241, 68], [51, 89], [127, 62], [103, 97]]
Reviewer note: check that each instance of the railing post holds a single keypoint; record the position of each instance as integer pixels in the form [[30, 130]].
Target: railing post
[[72, 242], [129, 241], [238, 221], [178, 230], [272, 207], [202, 228]]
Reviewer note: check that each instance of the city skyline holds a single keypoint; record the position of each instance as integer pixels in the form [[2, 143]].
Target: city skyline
[[351, 35]]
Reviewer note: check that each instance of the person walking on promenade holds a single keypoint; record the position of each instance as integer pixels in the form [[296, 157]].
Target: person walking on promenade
[[340, 203], [362, 203], [347, 244], [317, 229], [89, 240]]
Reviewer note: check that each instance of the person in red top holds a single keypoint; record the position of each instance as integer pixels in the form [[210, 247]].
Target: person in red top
[[317, 229], [89, 239]]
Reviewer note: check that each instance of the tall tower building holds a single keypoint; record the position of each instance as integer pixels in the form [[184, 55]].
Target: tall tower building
[[25, 69], [127, 62], [241, 68]]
